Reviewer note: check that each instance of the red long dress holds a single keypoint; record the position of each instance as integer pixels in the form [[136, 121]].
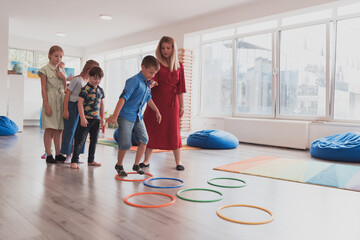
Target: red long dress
[[165, 135]]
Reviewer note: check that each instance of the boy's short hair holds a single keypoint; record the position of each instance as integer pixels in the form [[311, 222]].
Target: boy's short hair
[[96, 72], [150, 61]]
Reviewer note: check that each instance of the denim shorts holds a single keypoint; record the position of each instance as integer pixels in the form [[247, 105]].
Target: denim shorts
[[125, 131]]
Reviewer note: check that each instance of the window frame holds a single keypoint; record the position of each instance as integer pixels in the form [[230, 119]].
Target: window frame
[[330, 62], [326, 117], [202, 86]]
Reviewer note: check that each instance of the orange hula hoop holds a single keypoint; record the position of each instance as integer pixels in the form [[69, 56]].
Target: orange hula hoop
[[134, 180], [150, 206], [243, 222]]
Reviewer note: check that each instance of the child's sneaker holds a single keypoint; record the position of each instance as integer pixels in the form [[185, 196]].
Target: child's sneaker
[[180, 167], [120, 170], [68, 159], [44, 156], [60, 158], [137, 169], [50, 159], [143, 165]]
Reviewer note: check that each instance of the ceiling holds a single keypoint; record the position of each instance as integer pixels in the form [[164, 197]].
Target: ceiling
[[79, 19]]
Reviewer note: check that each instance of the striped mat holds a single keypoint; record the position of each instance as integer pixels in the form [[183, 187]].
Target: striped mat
[[346, 176]]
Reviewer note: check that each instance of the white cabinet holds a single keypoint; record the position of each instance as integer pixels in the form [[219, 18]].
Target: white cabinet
[[16, 99], [33, 99]]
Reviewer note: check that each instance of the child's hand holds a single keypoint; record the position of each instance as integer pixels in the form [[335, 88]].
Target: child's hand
[[102, 122], [112, 119], [84, 122], [48, 111], [66, 114], [158, 117], [60, 74], [153, 84]]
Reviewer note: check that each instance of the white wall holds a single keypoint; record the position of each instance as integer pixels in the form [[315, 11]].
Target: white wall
[[4, 30], [16, 99]]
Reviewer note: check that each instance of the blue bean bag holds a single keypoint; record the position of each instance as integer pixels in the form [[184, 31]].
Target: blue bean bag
[[7, 127], [133, 140], [344, 147], [213, 139]]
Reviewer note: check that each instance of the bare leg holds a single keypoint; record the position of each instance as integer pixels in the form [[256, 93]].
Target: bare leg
[[57, 141], [148, 153], [177, 156], [48, 136], [121, 156], [139, 153]]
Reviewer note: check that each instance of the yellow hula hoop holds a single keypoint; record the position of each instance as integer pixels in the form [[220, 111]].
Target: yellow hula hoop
[[243, 222]]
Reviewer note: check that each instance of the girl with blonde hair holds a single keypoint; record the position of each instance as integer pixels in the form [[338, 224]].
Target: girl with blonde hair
[[52, 91]]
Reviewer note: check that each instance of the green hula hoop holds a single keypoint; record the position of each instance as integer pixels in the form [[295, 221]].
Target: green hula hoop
[[200, 189], [225, 186]]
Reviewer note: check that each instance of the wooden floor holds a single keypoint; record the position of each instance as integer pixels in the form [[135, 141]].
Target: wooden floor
[[42, 201]]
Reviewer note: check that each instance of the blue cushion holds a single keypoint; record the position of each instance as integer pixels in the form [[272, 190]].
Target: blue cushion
[[133, 140], [213, 139], [344, 147], [7, 127]]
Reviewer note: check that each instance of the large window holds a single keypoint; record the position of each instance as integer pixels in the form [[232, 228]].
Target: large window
[[347, 83], [254, 75], [72, 62], [42, 59], [120, 66], [302, 89], [23, 56], [131, 66], [114, 84], [300, 66], [217, 78], [36, 59], [119, 70]]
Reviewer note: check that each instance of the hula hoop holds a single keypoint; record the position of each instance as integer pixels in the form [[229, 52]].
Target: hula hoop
[[226, 186], [201, 189], [151, 179], [243, 222], [134, 180], [150, 206]]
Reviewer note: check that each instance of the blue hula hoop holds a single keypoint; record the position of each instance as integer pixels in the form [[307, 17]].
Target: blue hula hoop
[[176, 179]]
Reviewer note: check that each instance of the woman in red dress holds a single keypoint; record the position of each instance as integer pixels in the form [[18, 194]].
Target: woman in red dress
[[167, 94]]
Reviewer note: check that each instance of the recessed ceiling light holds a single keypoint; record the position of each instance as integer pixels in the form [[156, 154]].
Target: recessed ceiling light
[[105, 17], [60, 34]]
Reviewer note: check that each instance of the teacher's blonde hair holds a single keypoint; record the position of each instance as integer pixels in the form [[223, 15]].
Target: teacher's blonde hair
[[173, 64]]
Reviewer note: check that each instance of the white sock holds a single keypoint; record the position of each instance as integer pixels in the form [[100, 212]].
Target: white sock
[[68, 158]]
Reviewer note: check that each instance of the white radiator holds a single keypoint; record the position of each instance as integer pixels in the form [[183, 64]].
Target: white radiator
[[281, 133]]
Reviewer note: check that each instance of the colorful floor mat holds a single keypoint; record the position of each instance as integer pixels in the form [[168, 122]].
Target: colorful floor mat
[[111, 142], [346, 176]]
